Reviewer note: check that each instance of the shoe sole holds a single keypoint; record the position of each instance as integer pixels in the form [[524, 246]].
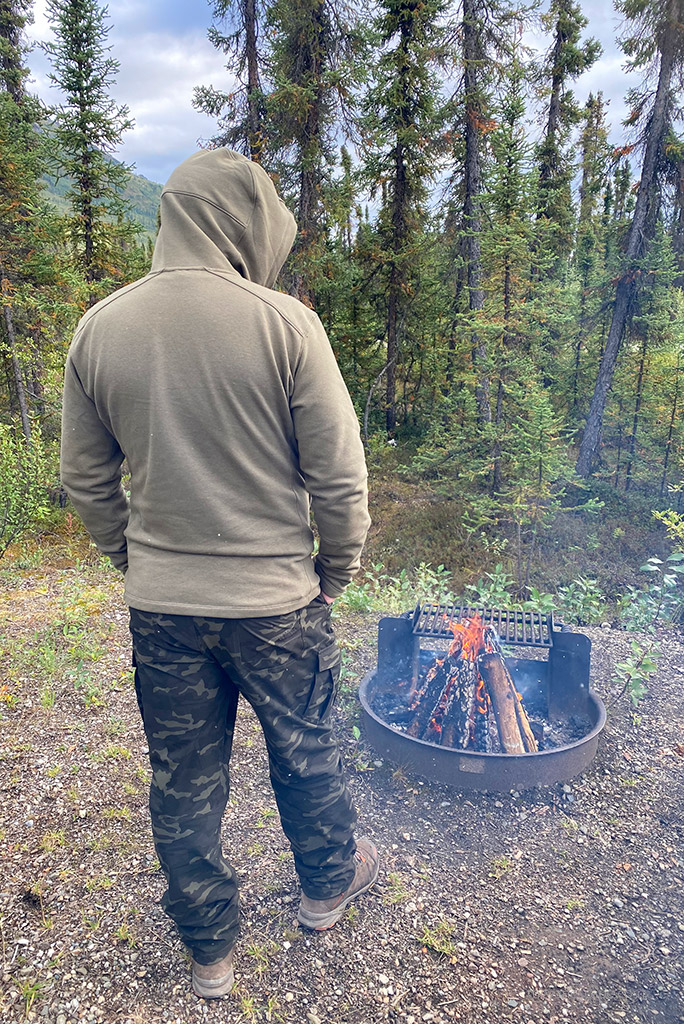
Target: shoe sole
[[213, 988], [322, 922]]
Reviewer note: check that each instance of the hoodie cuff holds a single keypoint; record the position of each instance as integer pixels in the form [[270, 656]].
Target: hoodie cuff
[[328, 587]]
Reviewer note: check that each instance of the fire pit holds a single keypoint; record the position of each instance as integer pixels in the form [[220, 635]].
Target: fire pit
[[551, 684]]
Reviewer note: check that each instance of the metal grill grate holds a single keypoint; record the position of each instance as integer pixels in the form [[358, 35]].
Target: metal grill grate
[[524, 629]]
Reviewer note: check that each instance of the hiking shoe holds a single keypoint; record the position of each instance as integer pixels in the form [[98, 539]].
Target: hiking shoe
[[322, 914], [211, 981]]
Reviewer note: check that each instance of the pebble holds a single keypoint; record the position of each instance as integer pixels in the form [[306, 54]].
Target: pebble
[[383, 979], [313, 1018]]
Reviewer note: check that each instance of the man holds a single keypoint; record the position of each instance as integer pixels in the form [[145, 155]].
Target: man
[[225, 399]]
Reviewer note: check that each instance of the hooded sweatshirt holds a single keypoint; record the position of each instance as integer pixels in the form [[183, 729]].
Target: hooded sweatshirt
[[225, 399]]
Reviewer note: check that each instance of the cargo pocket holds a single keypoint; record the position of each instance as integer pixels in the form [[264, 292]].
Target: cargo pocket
[[276, 631], [324, 688]]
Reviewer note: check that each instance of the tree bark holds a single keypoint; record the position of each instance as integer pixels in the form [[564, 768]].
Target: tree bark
[[549, 166], [635, 420], [17, 375], [254, 128], [627, 284], [504, 703], [670, 433], [472, 218], [311, 74]]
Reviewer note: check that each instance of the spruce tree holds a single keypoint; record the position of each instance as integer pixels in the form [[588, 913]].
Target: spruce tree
[[21, 166], [315, 66], [14, 15], [238, 30], [567, 59], [506, 247], [590, 241], [476, 121], [401, 124], [88, 127], [656, 48]]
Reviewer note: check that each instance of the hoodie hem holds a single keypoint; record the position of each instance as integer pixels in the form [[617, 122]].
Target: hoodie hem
[[212, 611]]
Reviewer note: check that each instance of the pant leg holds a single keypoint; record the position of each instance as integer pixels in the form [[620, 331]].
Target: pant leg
[[188, 705], [287, 667]]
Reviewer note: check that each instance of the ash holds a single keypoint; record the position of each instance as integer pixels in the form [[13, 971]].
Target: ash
[[390, 702]]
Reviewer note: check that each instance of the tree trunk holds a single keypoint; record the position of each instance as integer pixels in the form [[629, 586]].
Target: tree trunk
[[549, 167], [254, 127], [17, 375], [627, 284], [309, 156], [670, 433], [395, 287], [635, 420], [472, 220], [498, 451]]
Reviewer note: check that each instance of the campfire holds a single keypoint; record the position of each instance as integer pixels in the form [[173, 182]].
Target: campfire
[[445, 702], [467, 699]]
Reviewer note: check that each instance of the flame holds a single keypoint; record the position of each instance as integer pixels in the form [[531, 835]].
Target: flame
[[469, 638], [481, 696]]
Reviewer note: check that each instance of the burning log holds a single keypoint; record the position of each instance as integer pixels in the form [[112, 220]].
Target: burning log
[[452, 707], [426, 699], [502, 694], [457, 728]]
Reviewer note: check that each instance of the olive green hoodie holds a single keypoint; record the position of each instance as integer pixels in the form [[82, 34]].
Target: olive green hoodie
[[225, 399]]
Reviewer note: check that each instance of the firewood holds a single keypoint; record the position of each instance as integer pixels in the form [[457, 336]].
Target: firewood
[[503, 696], [528, 737], [427, 698]]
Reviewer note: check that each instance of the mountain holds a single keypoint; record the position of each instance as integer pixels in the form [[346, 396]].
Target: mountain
[[142, 195]]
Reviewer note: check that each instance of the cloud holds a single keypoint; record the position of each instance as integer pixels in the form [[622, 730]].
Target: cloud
[[158, 72]]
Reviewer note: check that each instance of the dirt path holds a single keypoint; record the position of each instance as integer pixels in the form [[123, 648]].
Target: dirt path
[[558, 905]]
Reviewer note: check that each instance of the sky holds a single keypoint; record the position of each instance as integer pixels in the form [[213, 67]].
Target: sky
[[163, 52]]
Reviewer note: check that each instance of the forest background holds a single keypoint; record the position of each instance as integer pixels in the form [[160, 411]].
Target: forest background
[[508, 315]]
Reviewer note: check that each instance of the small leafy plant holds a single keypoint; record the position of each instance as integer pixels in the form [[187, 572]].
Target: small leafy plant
[[635, 672], [582, 601], [659, 601], [494, 588]]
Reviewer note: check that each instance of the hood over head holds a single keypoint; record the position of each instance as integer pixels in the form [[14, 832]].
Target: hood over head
[[220, 208]]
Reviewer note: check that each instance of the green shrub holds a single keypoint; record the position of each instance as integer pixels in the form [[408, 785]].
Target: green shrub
[[24, 474]]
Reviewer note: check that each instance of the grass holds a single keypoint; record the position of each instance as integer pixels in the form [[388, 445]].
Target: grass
[[117, 813], [267, 816], [98, 882], [51, 841], [439, 939], [124, 934], [261, 954], [500, 866], [30, 989], [395, 889]]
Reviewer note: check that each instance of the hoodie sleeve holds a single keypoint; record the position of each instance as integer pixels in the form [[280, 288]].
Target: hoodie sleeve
[[331, 460], [91, 470]]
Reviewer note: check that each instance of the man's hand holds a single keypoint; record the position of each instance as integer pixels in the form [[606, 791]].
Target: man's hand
[[328, 600]]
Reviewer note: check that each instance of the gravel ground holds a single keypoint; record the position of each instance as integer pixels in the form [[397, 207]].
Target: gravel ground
[[547, 906]]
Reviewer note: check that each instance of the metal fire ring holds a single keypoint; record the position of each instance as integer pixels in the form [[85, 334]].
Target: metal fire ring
[[466, 769]]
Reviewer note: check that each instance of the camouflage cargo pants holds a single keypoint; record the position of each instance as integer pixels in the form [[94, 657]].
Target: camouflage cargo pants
[[189, 673]]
